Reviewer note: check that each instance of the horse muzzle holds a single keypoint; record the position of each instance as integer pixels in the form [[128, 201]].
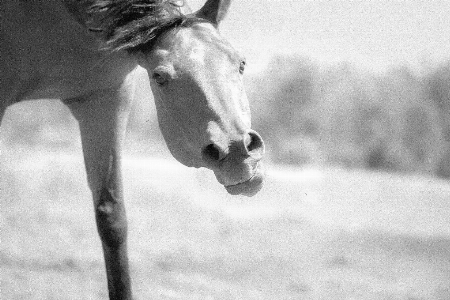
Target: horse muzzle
[[237, 163]]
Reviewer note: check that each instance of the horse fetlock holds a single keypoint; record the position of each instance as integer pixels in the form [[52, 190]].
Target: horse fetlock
[[111, 219]]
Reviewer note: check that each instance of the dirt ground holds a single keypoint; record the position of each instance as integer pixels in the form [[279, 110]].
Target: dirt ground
[[310, 234]]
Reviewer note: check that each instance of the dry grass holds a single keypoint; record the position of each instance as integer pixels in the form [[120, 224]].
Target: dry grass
[[310, 234]]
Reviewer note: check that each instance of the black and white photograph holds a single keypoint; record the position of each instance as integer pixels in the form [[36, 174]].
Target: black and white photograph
[[224, 150]]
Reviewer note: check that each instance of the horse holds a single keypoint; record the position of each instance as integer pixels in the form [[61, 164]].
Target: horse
[[87, 52]]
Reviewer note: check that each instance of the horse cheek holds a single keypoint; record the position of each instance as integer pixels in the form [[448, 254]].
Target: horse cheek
[[172, 130]]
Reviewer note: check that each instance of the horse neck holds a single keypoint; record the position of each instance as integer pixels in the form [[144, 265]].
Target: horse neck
[[49, 53]]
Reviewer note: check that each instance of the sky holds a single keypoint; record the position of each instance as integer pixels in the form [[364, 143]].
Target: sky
[[373, 33]]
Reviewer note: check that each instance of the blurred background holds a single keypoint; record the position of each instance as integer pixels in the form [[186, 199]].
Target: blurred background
[[353, 101]]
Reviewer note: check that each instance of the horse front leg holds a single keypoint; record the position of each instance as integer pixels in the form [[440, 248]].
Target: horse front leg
[[112, 227], [102, 119]]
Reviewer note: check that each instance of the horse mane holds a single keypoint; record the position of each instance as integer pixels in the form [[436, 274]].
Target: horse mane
[[134, 25]]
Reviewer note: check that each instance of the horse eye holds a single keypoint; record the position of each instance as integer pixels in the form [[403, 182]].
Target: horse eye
[[242, 67], [159, 78]]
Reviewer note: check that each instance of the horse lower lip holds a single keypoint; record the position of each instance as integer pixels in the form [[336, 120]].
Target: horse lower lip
[[249, 187]]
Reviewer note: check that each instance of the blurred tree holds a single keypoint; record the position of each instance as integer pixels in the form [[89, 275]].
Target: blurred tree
[[347, 116], [438, 88], [281, 97]]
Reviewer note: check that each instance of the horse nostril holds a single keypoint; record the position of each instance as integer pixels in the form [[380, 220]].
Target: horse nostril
[[255, 144], [211, 153]]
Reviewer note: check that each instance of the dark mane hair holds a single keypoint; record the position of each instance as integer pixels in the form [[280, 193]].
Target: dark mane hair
[[134, 25]]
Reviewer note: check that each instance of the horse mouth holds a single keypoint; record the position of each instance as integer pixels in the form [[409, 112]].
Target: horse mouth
[[249, 187]]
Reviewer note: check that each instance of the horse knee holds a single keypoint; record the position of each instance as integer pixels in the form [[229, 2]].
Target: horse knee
[[111, 219]]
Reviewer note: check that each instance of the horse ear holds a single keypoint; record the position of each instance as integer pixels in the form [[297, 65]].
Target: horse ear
[[214, 11]]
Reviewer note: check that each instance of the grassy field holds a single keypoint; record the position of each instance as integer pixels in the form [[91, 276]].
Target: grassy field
[[310, 234]]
